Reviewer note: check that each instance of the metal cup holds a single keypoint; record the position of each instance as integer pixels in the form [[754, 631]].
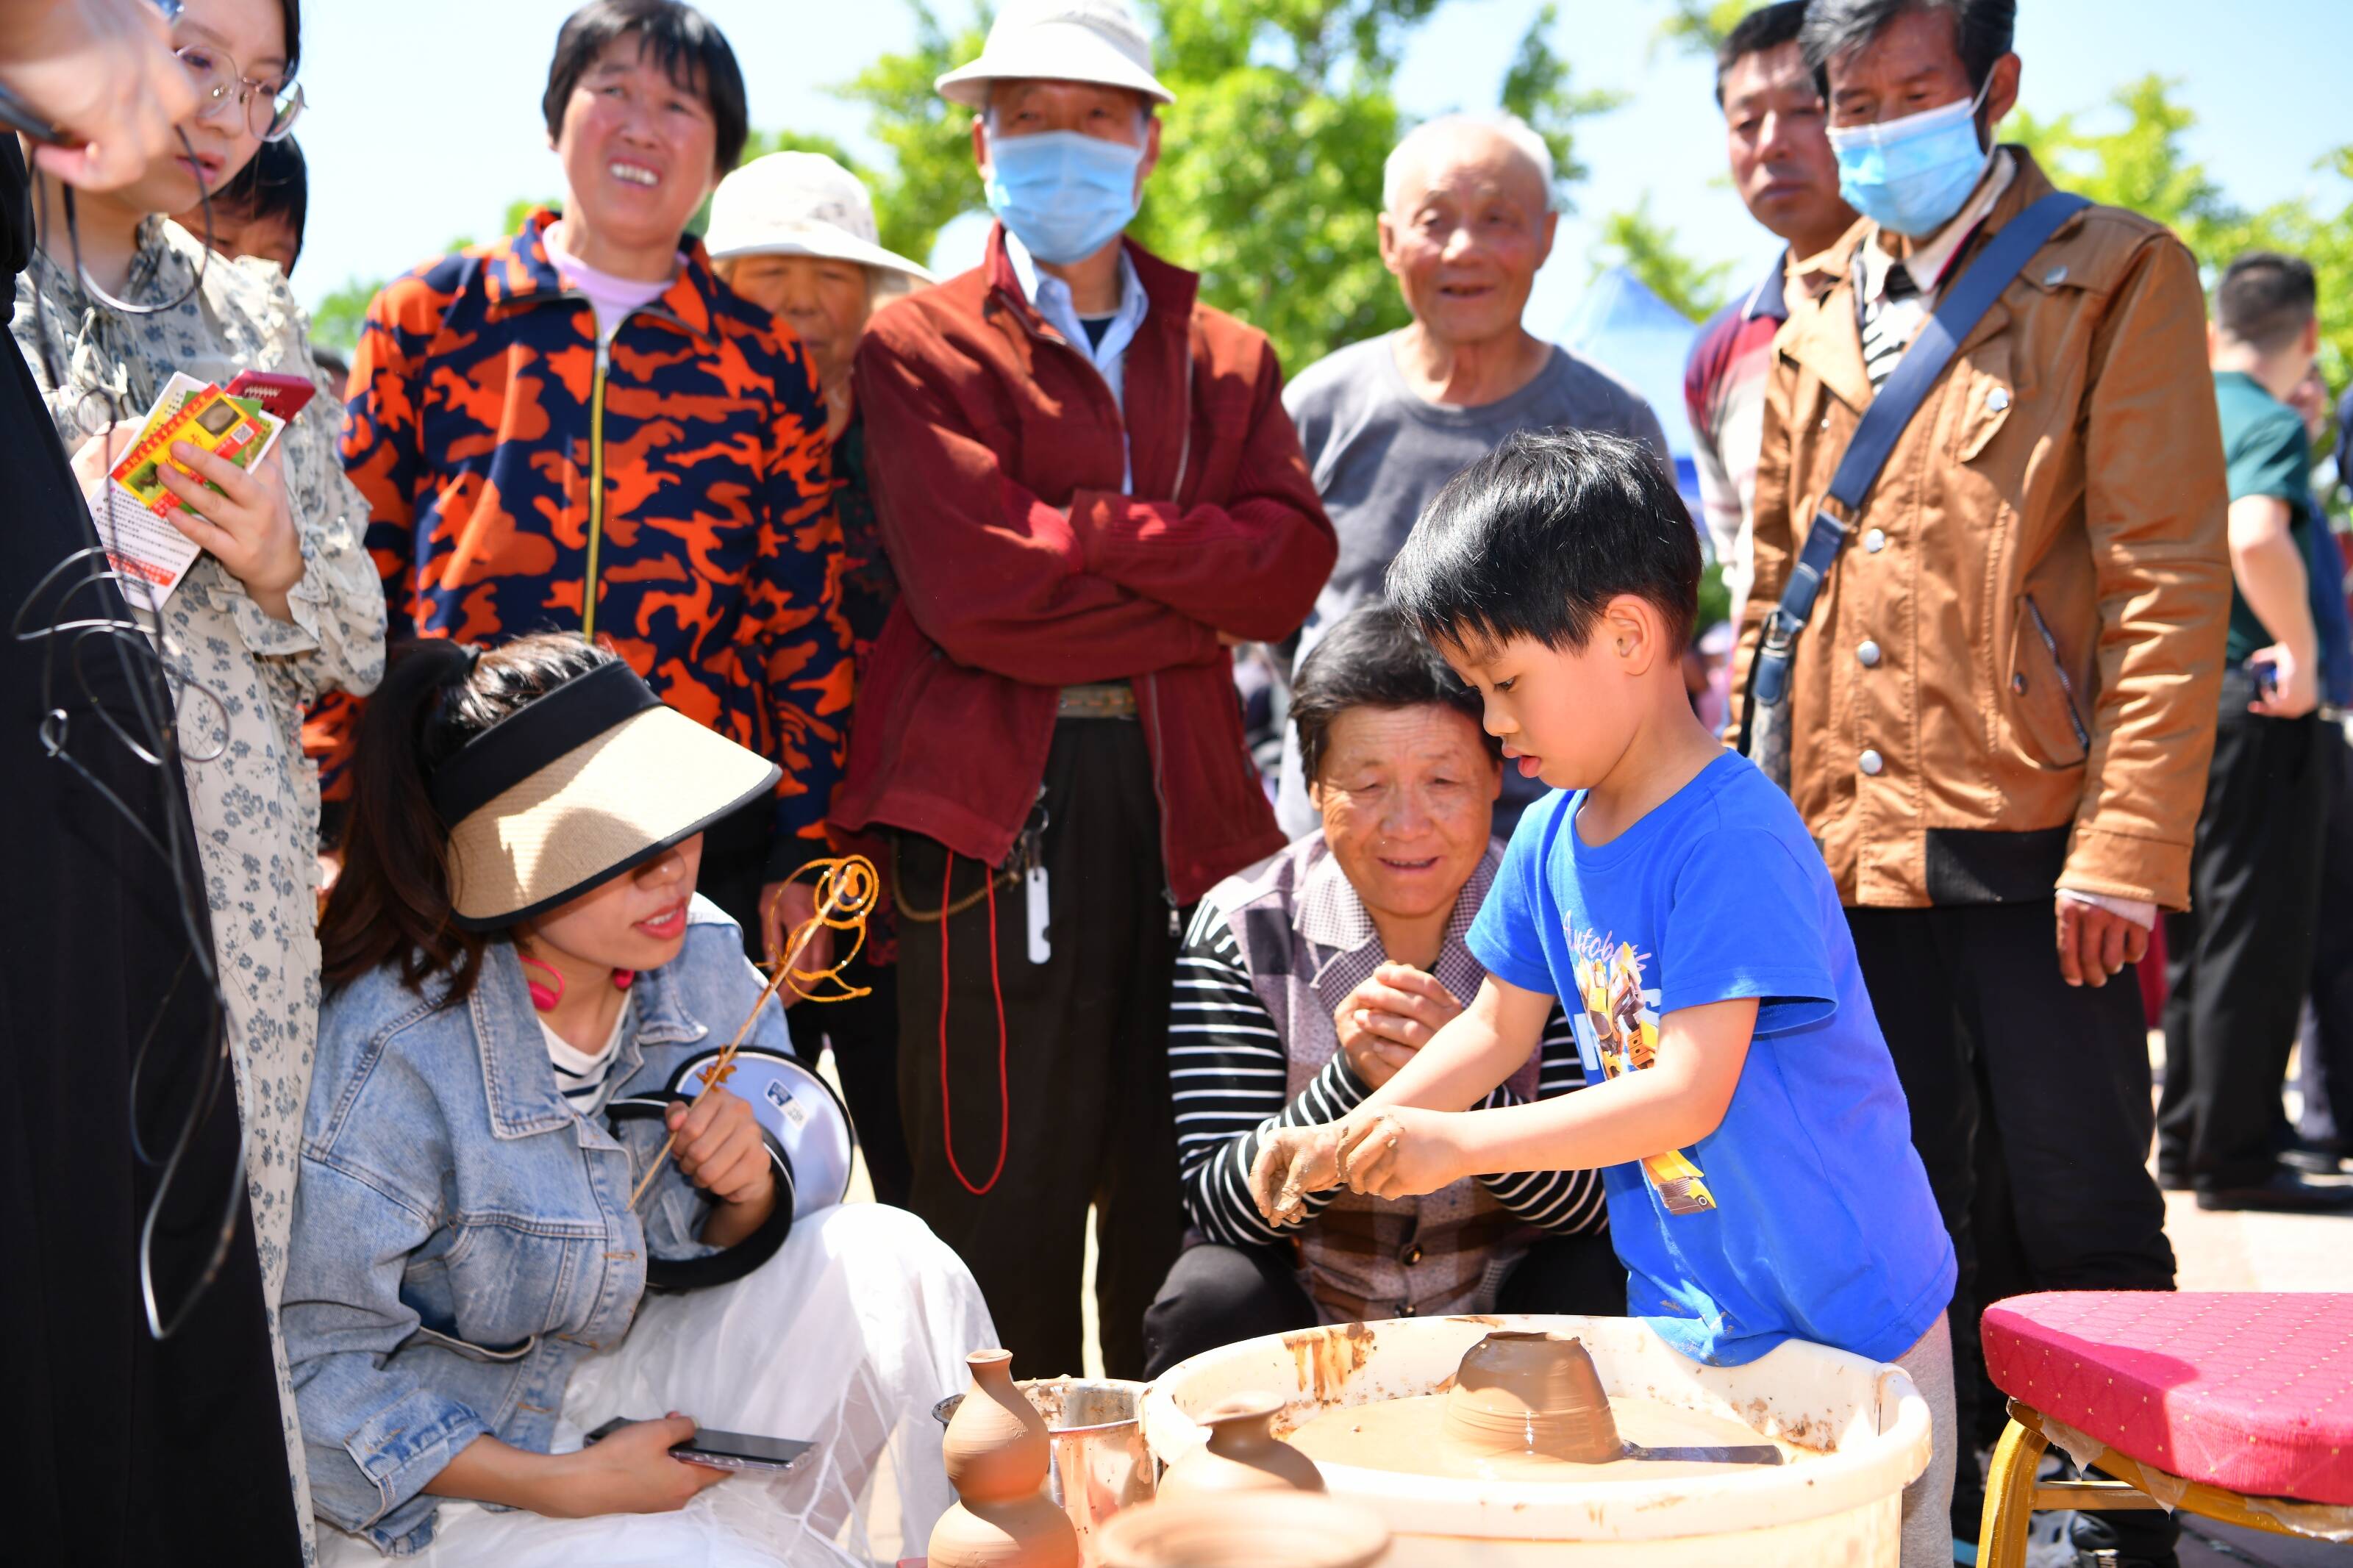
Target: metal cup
[[1100, 1463]]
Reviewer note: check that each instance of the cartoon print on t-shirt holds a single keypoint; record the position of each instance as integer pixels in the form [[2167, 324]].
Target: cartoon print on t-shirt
[[1617, 1032]]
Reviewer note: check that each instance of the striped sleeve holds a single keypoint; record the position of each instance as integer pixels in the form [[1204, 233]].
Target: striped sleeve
[[1227, 1073], [1563, 1202]]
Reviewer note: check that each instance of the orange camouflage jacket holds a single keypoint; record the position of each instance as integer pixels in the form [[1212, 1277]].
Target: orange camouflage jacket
[[667, 495]]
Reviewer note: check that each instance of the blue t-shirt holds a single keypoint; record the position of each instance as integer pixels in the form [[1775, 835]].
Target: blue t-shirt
[[1806, 1214]]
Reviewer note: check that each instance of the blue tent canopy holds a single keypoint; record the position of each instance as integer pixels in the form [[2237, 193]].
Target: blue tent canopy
[[1629, 330]]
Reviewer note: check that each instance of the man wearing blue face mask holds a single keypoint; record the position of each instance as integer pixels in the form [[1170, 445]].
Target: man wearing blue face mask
[[1994, 683], [1090, 492]]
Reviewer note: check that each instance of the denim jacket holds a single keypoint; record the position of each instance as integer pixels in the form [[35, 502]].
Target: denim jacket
[[463, 1239]]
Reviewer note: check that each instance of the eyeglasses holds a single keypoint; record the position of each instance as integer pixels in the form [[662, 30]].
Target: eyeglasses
[[270, 107]]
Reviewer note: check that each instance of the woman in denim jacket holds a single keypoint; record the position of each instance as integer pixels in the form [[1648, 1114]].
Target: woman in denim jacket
[[514, 941]]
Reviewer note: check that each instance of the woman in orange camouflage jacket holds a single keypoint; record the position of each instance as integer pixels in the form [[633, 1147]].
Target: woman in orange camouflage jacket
[[579, 427]]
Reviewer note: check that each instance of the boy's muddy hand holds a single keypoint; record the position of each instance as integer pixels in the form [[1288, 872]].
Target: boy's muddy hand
[[1397, 1152], [1291, 1162]]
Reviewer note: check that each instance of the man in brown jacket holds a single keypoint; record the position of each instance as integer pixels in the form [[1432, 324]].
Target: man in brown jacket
[[1088, 491], [2000, 713]]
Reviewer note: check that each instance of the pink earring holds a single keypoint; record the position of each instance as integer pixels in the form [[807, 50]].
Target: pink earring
[[624, 978], [544, 996]]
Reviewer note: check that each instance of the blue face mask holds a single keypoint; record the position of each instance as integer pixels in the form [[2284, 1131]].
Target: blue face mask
[[1064, 196], [1911, 175]]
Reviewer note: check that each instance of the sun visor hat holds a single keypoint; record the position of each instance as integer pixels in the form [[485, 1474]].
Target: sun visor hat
[[1098, 41], [581, 784]]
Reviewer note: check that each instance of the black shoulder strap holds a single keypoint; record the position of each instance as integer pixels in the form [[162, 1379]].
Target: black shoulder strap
[[2005, 256]]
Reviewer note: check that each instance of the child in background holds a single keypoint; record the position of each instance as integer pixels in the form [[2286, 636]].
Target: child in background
[[262, 211], [1762, 1181]]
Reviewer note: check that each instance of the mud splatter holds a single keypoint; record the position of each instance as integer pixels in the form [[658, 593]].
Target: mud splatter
[[1329, 1357]]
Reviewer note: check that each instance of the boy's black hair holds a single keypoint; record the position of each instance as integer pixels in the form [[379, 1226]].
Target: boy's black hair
[[1767, 27], [277, 184], [681, 39], [2265, 300], [1534, 539], [1372, 658]]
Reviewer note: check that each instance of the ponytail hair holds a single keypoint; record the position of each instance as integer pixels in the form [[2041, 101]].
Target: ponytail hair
[[391, 907]]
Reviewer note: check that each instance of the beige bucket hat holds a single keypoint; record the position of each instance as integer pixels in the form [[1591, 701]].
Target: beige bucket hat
[[1059, 40], [800, 204], [590, 780]]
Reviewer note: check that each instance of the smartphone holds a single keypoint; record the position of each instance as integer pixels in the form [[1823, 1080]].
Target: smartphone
[[726, 1450], [2266, 675], [282, 395]]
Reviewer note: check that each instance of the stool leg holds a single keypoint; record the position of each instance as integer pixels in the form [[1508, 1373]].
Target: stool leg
[[2010, 1497]]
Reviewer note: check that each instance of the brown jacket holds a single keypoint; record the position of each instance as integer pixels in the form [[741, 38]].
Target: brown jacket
[[2041, 572]]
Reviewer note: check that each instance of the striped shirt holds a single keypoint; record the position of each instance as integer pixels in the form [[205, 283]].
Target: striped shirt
[[1228, 1071], [582, 1079], [1896, 295]]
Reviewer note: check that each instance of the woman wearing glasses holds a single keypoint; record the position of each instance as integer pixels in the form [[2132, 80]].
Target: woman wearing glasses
[[283, 604]]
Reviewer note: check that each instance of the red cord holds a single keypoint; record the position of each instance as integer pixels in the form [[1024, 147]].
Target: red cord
[[997, 987]]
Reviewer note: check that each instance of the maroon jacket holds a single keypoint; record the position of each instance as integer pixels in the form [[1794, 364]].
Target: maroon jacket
[[994, 451]]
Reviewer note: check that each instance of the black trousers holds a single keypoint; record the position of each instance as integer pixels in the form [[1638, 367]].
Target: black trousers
[[1218, 1294], [735, 868], [2005, 1064], [2239, 960], [2327, 1061], [1084, 1099], [863, 1035]]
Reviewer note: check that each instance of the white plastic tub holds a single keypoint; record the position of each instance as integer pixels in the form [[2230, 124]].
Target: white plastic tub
[[1839, 1507]]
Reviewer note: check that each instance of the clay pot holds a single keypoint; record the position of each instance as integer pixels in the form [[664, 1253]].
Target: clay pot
[[1531, 1393], [1243, 1454], [1249, 1530], [997, 1453]]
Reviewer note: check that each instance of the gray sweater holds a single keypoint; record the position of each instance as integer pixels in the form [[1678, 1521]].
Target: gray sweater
[[1380, 454]]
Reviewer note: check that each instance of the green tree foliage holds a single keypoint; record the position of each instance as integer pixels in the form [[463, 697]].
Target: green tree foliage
[[1697, 27], [2144, 164], [336, 322], [1647, 247], [1536, 88], [1270, 179]]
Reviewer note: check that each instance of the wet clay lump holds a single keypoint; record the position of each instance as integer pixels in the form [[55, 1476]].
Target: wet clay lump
[[1525, 1391], [1523, 1407]]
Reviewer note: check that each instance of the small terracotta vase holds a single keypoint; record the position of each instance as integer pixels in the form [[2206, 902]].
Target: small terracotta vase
[[1249, 1530], [1531, 1393], [997, 1454], [1243, 1454]]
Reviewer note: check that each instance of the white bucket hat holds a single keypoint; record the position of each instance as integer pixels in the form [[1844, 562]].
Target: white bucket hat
[[799, 203], [1059, 40]]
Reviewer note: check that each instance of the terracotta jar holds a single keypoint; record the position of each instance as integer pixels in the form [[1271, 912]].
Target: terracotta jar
[[997, 1454], [1246, 1530], [1243, 1454], [1531, 1393]]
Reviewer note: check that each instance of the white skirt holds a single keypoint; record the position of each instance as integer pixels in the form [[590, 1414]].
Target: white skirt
[[846, 1338]]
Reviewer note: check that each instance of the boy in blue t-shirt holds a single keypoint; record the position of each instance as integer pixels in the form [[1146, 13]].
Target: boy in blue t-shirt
[[1758, 1157]]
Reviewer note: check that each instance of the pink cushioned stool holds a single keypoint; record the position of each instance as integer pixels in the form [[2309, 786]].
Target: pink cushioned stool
[[2238, 1406]]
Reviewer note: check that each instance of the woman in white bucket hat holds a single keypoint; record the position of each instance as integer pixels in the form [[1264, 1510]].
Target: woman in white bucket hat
[[795, 233]]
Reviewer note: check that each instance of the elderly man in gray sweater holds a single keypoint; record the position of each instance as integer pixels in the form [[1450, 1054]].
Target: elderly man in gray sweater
[[1467, 218]]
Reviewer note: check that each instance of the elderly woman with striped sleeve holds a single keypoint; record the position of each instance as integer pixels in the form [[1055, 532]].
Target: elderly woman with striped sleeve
[[1306, 980]]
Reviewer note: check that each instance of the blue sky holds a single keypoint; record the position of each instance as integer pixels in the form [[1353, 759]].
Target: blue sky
[[424, 126]]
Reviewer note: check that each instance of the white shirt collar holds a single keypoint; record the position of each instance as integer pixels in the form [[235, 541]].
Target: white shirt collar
[[1052, 297], [1927, 263]]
